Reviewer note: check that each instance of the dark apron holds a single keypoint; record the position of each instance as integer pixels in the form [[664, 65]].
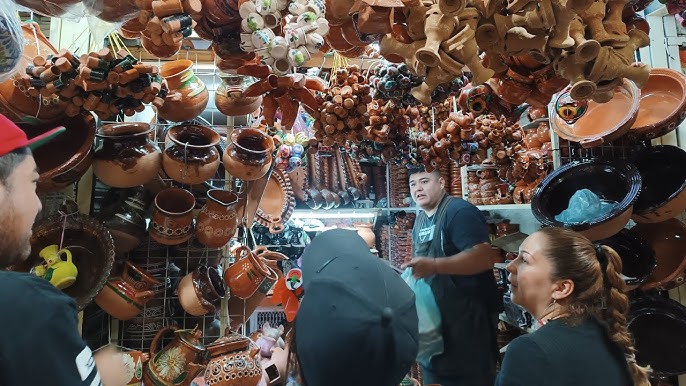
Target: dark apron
[[469, 326]]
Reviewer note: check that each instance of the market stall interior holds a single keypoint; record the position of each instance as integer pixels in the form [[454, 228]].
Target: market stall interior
[[208, 141]]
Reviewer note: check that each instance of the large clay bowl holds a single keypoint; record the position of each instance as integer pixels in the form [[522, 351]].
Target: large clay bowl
[[638, 257], [615, 181], [668, 239], [658, 326], [663, 104], [602, 122], [63, 160], [91, 246], [663, 175]]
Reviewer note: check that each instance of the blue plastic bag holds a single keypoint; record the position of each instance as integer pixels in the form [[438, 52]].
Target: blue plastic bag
[[585, 206], [430, 337]]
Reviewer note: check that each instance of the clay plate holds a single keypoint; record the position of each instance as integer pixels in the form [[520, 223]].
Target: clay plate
[[663, 104], [277, 202]]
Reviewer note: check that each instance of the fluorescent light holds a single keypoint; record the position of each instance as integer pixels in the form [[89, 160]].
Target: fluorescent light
[[332, 214]]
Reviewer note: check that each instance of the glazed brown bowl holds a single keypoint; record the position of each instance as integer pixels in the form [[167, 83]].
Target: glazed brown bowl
[[616, 181], [668, 239], [663, 104], [638, 257], [663, 175], [63, 160]]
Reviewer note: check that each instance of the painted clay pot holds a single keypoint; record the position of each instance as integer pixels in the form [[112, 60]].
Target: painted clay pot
[[191, 156], [663, 104], [172, 218], [241, 309], [187, 96], [246, 274], [668, 239], [366, 231], [249, 154], [125, 155], [178, 362], [123, 297], [238, 350], [663, 194], [615, 181], [229, 97], [217, 222], [201, 291], [514, 87], [638, 257]]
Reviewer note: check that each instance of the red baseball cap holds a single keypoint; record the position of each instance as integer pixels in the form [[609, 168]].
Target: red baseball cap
[[12, 137]]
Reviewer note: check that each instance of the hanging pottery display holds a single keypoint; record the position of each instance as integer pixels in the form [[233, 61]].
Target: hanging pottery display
[[229, 97], [191, 156], [188, 95]]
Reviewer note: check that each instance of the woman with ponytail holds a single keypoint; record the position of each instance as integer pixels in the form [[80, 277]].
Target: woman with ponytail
[[574, 289]]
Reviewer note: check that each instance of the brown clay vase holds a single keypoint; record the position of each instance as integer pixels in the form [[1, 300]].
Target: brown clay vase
[[234, 361], [191, 156], [172, 217], [124, 297], [249, 154], [216, 223], [178, 362], [246, 274], [229, 97], [187, 96], [125, 155], [201, 291]]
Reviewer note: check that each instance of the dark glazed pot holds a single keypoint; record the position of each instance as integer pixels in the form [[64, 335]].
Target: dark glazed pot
[[191, 156], [616, 181], [638, 257], [663, 175]]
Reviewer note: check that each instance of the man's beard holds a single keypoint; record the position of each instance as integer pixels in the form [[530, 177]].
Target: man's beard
[[15, 246]]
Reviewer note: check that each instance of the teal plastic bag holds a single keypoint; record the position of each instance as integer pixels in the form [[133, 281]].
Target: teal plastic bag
[[430, 337]]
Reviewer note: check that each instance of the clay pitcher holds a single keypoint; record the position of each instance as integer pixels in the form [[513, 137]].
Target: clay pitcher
[[236, 349], [246, 274], [241, 309], [172, 218], [124, 297], [191, 156], [249, 154], [179, 362], [217, 221], [187, 96]]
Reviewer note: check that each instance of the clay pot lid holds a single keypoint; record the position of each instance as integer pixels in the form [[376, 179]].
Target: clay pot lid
[[668, 239], [613, 180], [591, 123], [663, 104], [638, 257], [663, 177]]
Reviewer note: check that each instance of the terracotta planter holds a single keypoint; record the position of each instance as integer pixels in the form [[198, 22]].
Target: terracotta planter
[[172, 218], [249, 154], [217, 221], [229, 97], [246, 274], [191, 156], [236, 349], [663, 194], [668, 239], [179, 361], [663, 104], [124, 297], [201, 291], [125, 155], [241, 309], [187, 96]]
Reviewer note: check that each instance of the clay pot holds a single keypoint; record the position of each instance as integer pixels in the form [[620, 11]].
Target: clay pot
[[112, 11], [179, 361], [63, 160], [615, 181], [216, 223], [663, 194], [201, 291], [160, 51], [132, 29], [191, 156], [49, 8], [172, 218], [366, 231], [514, 87], [668, 239], [127, 222], [125, 155], [662, 105], [246, 274], [221, 12], [123, 297], [241, 309], [193, 96], [638, 257], [229, 97], [249, 154], [236, 349]]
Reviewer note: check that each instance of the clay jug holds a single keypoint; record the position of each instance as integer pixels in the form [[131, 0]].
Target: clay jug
[[172, 218], [201, 291], [124, 297], [217, 221], [229, 97], [238, 350], [191, 156], [127, 222], [249, 154], [367, 233], [187, 96], [241, 309], [246, 274], [179, 362]]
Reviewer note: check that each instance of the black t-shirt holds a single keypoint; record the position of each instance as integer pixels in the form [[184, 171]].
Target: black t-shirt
[[563, 355], [39, 340]]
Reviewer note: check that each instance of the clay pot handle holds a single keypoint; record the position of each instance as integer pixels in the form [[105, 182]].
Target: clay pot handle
[[241, 252], [156, 339], [260, 250], [276, 226]]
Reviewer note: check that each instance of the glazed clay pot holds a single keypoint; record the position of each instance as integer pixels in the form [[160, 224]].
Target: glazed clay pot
[[187, 96], [663, 191], [124, 297], [191, 156], [229, 97], [201, 291], [238, 350], [638, 257], [241, 309], [217, 222], [127, 222], [663, 104], [367, 233], [249, 154], [514, 87], [178, 362], [246, 274], [668, 239], [172, 218], [125, 155]]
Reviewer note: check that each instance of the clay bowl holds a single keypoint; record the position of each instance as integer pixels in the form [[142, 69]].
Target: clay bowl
[[668, 239], [663, 104], [91, 246], [55, 8], [658, 326], [336, 39], [638, 257], [615, 181], [663, 175], [63, 160], [602, 122]]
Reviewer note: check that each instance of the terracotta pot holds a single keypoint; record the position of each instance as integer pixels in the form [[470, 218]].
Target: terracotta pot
[[193, 94], [514, 87], [663, 194], [123, 297], [63, 160], [221, 12], [241, 309], [125, 155], [249, 154], [238, 350], [668, 239], [191, 157], [132, 28], [638, 257], [663, 104], [229, 97], [201, 291], [366, 231], [172, 218], [160, 51], [179, 362], [217, 221], [246, 274]]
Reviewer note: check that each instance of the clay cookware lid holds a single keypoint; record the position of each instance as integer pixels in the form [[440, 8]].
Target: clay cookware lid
[[662, 105]]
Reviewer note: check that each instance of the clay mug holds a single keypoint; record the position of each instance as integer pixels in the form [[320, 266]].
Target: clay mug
[[262, 37], [278, 48], [172, 217], [315, 42], [281, 66], [124, 297], [247, 8], [264, 7], [266, 60], [297, 8], [316, 7], [241, 309], [322, 27], [201, 291], [253, 22], [272, 20], [246, 42], [60, 273], [298, 56], [246, 274]]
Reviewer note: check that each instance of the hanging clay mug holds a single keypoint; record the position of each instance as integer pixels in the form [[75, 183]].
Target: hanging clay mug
[[229, 97], [187, 96], [172, 218], [241, 309], [234, 361], [216, 223], [124, 297], [191, 156], [201, 291], [246, 274], [125, 155], [249, 154]]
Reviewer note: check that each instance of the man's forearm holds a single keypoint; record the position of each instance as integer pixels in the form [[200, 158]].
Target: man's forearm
[[475, 260]]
